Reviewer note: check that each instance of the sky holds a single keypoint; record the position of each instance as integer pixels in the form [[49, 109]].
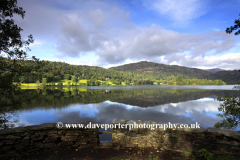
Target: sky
[[108, 33]]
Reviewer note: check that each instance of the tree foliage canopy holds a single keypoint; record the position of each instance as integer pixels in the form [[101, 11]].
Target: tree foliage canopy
[[11, 51], [235, 27], [230, 109]]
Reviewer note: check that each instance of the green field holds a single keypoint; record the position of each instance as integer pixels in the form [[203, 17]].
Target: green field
[[82, 82]]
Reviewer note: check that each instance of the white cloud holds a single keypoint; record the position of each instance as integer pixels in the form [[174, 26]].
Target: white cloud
[[174, 63], [182, 12], [127, 61], [216, 29], [101, 34], [114, 45], [227, 61]]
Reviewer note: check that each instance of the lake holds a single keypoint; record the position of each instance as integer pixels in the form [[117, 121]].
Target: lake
[[160, 103]]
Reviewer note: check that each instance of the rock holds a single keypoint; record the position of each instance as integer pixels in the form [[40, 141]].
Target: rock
[[20, 129], [20, 149], [50, 139], [41, 127], [62, 144], [46, 136], [38, 146], [69, 138], [24, 134], [49, 145], [7, 148], [122, 121], [193, 130], [215, 131], [72, 134], [13, 137], [11, 152], [4, 156], [37, 138], [8, 142], [7, 131]]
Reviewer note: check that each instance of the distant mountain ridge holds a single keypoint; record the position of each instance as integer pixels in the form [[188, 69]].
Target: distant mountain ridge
[[144, 66], [142, 72], [214, 70], [231, 77]]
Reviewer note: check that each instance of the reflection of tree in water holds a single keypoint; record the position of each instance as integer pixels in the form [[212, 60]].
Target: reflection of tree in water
[[11, 68], [231, 103], [9, 107], [61, 98], [8, 120], [230, 109], [8, 115]]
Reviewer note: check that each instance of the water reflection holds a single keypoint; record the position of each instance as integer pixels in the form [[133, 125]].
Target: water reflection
[[160, 105]]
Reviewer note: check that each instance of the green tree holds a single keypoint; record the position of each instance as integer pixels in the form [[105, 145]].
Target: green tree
[[11, 57], [67, 76], [44, 81], [60, 84], [56, 78], [230, 112], [170, 83], [97, 83], [22, 79], [50, 77], [11, 45], [126, 82], [68, 83], [235, 27], [74, 80], [231, 104], [91, 82], [37, 83], [179, 80], [117, 82]]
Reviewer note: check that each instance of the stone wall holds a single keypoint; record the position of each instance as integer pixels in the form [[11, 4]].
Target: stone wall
[[23, 140], [221, 142]]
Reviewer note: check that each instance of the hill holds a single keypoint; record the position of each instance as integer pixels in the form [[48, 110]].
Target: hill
[[214, 70], [230, 77], [135, 73], [144, 66]]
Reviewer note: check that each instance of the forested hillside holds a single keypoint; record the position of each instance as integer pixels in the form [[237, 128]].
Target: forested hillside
[[151, 67], [230, 77], [140, 73], [141, 98], [214, 70]]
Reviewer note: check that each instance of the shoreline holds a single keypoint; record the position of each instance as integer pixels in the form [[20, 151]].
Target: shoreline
[[30, 86]]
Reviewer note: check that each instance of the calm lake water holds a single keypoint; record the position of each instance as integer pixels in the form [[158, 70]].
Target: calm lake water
[[175, 104]]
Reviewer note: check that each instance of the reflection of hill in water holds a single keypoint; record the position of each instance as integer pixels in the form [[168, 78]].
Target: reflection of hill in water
[[170, 97], [142, 98]]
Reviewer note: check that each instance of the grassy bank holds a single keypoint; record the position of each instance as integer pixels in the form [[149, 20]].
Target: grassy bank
[[84, 82]]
